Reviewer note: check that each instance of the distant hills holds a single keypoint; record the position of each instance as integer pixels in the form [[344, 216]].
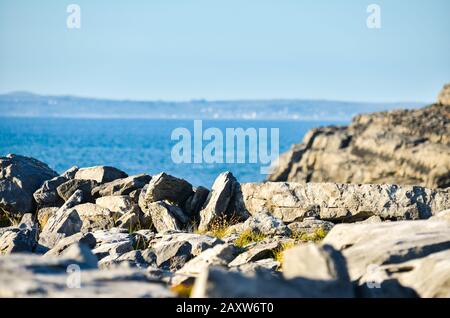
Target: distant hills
[[25, 104]]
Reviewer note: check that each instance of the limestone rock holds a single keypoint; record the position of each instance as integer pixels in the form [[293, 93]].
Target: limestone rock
[[427, 277], [68, 188], [169, 188], [174, 250], [322, 263], [121, 186], [135, 258], [47, 195], [368, 245], [406, 147], [266, 224], [310, 225], [343, 202], [194, 203], [251, 269], [64, 222], [219, 255], [87, 239], [24, 275], [94, 217], [120, 204], [166, 217], [261, 250], [222, 201], [100, 174], [217, 282], [20, 177], [20, 239]]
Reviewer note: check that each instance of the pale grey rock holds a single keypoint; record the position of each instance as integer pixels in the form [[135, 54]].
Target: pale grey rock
[[427, 277], [310, 225], [166, 187], [69, 187], [343, 202], [120, 204], [266, 224], [134, 258], [252, 268], [114, 241], [223, 200], [44, 214], [64, 222], [394, 147], [21, 238], [47, 195], [27, 275], [94, 217], [260, 250], [318, 263], [368, 245], [87, 239], [20, 177], [166, 217], [175, 249], [80, 253], [100, 174], [219, 255], [217, 282], [121, 187], [70, 173]]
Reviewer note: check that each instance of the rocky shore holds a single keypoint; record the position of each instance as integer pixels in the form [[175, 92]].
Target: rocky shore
[[360, 211], [401, 147]]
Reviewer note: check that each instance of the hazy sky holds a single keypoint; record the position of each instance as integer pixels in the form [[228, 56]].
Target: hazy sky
[[227, 49]]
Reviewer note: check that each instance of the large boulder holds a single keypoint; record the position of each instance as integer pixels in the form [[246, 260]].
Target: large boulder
[[427, 277], [168, 188], [166, 217], [123, 186], [66, 189], [64, 222], [315, 262], [343, 202], [20, 177], [217, 282], [100, 174], [407, 147], [219, 255], [47, 195], [72, 276], [222, 201], [173, 250], [367, 245], [20, 239]]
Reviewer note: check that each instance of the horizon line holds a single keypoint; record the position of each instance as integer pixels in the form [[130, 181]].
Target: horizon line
[[17, 92]]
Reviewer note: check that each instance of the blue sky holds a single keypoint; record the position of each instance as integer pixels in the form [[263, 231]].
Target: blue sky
[[227, 49]]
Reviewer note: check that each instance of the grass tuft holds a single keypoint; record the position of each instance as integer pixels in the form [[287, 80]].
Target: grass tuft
[[317, 236], [248, 237]]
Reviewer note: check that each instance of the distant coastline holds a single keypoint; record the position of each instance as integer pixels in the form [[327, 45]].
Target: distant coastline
[[24, 105]]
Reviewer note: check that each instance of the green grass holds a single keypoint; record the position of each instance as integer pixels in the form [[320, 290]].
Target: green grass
[[317, 236], [248, 237], [279, 252], [218, 228]]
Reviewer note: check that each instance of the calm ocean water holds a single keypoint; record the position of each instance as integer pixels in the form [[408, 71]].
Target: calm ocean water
[[135, 146]]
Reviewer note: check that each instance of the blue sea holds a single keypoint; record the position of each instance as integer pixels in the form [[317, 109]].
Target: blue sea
[[133, 145]]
